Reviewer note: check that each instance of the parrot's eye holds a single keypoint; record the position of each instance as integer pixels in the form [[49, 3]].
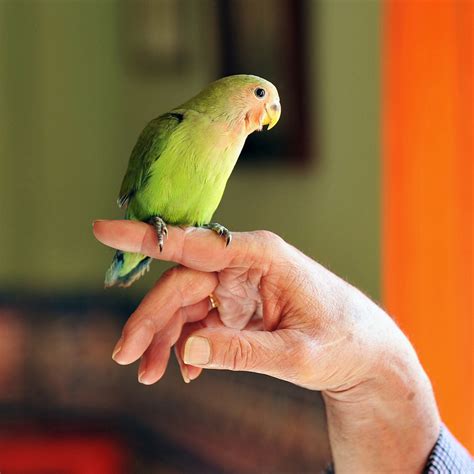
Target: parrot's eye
[[260, 93]]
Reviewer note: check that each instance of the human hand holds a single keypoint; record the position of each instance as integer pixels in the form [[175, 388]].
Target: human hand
[[280, 313], [284, 315]]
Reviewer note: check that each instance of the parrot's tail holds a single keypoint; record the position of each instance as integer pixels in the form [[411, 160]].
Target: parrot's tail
[[126, 268]]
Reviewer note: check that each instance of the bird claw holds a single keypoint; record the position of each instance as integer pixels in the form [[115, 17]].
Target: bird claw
[[161, 230], [221, 231]]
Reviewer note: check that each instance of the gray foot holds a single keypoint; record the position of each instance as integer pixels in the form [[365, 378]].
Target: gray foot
[[220, 230], [161, 230]]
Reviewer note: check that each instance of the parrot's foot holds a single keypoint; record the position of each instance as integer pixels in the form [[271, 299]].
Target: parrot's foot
[[161, 230], [220, 230]]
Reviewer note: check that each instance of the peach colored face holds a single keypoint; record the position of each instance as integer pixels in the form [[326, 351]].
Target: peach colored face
[[265, 108]]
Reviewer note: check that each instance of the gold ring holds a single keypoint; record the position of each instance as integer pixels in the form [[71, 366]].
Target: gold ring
[[213, 301]]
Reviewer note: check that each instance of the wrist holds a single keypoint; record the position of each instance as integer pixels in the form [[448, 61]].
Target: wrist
[[387, 422]]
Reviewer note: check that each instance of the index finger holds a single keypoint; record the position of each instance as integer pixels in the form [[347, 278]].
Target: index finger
[[193, 247]]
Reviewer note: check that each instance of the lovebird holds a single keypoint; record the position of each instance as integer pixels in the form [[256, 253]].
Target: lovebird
[[182, 160]]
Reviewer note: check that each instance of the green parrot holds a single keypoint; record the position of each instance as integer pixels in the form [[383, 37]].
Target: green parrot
[[182, 160]]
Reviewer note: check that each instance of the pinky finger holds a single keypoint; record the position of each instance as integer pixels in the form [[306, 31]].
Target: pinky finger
[[189, 372], [183, 368]]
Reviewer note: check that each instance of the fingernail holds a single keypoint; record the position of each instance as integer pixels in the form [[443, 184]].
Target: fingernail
[[184, 373], [97, 220], [182, 368], [117, 349], [142, 369], [197, 351], [141, 375]]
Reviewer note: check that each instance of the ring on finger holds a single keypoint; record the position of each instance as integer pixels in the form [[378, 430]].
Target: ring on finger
[[213, 301]]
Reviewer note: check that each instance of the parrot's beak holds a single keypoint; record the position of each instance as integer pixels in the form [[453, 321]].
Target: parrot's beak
[[272, 115]]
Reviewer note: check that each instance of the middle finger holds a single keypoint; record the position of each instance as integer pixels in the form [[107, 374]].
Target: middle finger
[[177, 288]]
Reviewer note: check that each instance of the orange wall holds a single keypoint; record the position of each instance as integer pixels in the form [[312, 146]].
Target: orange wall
[[428, 136]]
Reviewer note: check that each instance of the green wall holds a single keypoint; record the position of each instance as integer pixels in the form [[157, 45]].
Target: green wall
[[71, 111]]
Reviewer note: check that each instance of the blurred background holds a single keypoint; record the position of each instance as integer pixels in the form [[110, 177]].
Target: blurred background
[[345, 177]]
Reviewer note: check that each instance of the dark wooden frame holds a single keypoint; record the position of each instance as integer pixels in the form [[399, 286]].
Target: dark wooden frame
[[291, 141]]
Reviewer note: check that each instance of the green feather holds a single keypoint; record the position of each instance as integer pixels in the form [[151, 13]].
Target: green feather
[[149, 146], [185, 185]]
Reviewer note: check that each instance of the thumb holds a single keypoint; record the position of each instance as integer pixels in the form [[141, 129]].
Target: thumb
[[263, 352]]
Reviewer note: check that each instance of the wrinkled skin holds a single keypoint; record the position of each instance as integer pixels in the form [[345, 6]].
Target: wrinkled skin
[[282, 314]]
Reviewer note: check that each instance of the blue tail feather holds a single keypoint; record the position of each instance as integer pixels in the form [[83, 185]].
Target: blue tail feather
[[115, 276]]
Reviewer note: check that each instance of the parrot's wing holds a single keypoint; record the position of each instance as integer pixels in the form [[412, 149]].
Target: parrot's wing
[[149, 147]]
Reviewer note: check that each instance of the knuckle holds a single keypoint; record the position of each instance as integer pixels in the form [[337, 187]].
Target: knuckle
[[239, 355], [271, 240], [268, 236], [170, 274], [134, 324]]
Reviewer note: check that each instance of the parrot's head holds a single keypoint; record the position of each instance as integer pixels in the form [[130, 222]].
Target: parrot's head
[[244, 100], [256, 99]]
